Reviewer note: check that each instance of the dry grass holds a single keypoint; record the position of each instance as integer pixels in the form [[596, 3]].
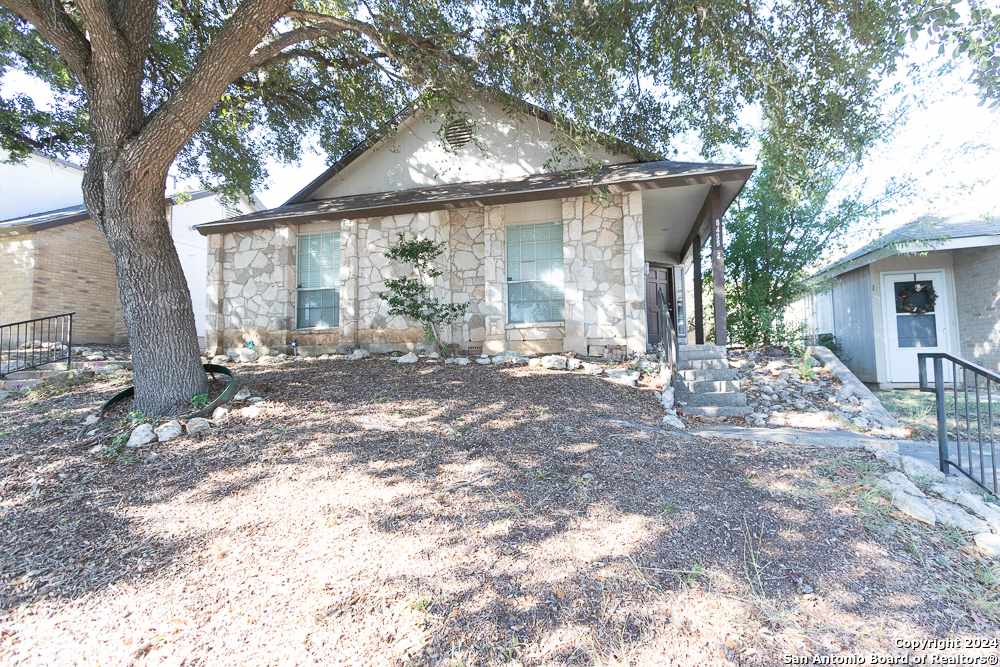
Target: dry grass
[[334, 531]]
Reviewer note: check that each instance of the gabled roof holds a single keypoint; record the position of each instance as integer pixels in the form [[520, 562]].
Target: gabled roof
[[924, 234], [612, 143], [613, 178]]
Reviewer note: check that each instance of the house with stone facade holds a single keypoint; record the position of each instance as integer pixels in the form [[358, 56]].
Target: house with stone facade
[[932, 285], [54, 260], [550, 255]]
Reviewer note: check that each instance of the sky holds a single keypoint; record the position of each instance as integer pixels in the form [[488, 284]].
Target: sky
[[949, 146]]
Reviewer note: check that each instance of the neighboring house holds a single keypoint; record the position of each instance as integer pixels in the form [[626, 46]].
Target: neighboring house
[[878, 309], [54, 260], [549, 256]]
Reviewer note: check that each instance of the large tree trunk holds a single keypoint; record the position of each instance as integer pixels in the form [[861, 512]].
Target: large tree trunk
[[156, 303]]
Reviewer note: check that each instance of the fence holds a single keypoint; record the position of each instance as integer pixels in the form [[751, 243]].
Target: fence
[[33, 343], [973, 433]]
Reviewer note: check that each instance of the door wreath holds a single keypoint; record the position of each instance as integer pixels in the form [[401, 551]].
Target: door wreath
[[909, 301]]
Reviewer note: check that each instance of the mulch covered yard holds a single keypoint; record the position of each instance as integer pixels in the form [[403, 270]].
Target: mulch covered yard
[[383, 514]]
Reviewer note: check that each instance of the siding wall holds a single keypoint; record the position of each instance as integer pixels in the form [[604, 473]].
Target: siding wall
[[74, 272], [17, 265], [852, 322], [977, 287]]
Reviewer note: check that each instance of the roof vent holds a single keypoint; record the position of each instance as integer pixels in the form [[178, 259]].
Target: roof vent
[[458, 133]]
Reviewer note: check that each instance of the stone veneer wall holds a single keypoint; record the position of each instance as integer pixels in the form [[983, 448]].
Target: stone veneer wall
[[251, 282], [255, 286]]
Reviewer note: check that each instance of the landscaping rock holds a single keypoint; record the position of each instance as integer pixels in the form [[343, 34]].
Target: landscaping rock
[[462, 361], [667, 398], [169, 431], [554, 362], [671, 419], [572, 364], [91, 419], [280, 357], [358, 354], [266, 360], [246, 355], [989, 513], [433, 355], [509, 357], [220, 359], [141, 436], [242, 395], [892, 458], [220, 413], [915, 508], [197, 424], [254, 399], [952, 515], [408, 358], [897, 481], [947, 491], [915, 468], [592, 369], [616, 373], [109, 368], [251, 412], [989, 543], [483, 361]]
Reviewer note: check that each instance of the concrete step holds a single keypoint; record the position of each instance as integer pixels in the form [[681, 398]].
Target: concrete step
[[713, 411], [705, 386], [714, 375], [29, 375], [21, 385], [715, 399], [691, 354], [704, 346], [702, 365]]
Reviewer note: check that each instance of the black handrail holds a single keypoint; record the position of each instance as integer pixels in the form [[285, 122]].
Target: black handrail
[[54, 338], [979, 374], [668, 336]]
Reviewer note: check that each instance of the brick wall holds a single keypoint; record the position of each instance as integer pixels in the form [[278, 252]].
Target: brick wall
[[17, 262], [977, 287], [74, 272]]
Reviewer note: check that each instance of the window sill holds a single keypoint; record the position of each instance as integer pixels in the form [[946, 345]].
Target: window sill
[[534, 325], [316, 330]]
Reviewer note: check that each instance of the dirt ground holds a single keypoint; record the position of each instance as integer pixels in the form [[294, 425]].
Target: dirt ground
[[382, 514]]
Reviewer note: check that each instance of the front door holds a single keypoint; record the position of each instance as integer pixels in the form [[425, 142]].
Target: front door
[[915, 308], [659, 278]]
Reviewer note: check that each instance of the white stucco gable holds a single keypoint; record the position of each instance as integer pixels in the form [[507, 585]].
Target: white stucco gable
[[506, 144]]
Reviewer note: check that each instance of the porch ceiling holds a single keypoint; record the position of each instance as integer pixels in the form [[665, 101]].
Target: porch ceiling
[[670, 214]]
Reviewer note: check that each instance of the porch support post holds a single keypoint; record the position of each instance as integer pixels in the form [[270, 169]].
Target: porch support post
[[215, 323], [699, 316], [494, 306], [635, 281], [349, 269], [718, 268]]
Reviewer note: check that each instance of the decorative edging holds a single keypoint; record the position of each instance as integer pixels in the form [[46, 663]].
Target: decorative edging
[[223, 398], [849, 379]]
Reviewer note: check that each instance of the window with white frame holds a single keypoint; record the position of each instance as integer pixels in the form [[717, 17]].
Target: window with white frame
[[318, 278], [535, 273]]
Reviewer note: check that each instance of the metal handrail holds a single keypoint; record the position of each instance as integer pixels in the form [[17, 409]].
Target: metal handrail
[[56, 331], [984, 481], [668, 336]]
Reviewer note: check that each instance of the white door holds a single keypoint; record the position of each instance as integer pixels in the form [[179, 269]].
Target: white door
[[916, 320]]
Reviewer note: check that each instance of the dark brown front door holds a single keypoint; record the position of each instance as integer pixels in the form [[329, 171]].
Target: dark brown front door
[[660, 278]]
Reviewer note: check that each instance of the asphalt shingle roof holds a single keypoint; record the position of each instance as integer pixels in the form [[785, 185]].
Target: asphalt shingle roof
[[927, 231]]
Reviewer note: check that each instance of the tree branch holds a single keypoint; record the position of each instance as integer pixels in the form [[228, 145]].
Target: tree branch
[[224, 61], [61, 31]]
